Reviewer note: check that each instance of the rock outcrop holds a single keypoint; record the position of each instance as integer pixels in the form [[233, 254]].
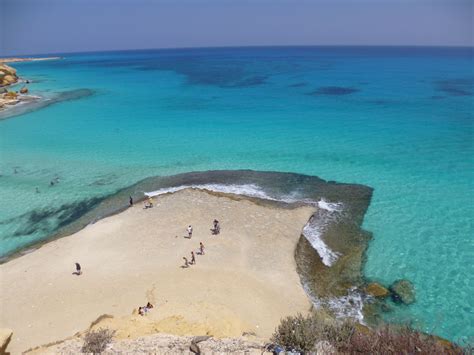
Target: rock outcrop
[[5, 337], [7, 75], [402, 292], [376, 290], [24, 90], [162, 344]]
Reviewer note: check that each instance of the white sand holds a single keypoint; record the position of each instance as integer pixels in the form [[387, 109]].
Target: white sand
[[245, 283]]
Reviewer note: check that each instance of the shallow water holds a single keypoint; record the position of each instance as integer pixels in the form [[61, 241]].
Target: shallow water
[[396, 119]]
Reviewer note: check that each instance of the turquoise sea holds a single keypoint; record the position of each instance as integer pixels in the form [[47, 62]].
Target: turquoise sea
[[397, 119]]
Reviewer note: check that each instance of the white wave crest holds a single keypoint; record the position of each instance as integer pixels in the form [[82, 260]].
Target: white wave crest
[[329, 206], [312, 232], [250, 190], [349, 306]]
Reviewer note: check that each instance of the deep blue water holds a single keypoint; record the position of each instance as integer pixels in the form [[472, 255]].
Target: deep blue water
[[397, 119]]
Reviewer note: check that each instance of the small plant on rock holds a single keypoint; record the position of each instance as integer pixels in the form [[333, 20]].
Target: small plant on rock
[[96, 342]]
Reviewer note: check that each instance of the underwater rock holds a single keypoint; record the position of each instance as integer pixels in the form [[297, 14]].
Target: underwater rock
[[402, 292], [377, 290]]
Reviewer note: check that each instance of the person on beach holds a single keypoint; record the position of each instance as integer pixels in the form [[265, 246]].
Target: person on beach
[[186, 262], [130, 201], [216, 229], [193, 258], [190, 231], [201, 248], [150, 202], [78, 269]]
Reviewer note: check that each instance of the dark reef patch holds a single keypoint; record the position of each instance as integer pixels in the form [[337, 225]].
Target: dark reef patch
[[49, 220], [455, 87], [333, 91], [298, 85], [230, 75]]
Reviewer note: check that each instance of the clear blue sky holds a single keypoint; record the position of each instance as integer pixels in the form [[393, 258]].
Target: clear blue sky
[[48, 26]]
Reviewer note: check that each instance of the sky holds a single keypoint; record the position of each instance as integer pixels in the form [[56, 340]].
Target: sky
[[61, 26]]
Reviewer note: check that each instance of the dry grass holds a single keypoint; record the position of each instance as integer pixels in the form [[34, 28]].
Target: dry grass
[[300, 334], [96, 342]]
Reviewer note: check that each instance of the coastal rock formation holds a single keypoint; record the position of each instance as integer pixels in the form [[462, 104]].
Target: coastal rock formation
[[9, 98], [403, 292], [377, 290], [161, 344], [24, 90], [5, 337], [7, 75]]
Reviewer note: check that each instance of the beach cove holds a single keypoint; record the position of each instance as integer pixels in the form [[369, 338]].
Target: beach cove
[[396, 119], [245, 282]]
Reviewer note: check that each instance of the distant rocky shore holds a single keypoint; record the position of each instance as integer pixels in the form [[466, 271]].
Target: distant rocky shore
[[9, 77]]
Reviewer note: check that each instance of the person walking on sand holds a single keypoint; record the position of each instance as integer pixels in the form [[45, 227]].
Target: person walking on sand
[[78, 269], [186, 262], [193, 258], [190, 231], [217, 227], [150, 202], [130, 201], [201, 248]]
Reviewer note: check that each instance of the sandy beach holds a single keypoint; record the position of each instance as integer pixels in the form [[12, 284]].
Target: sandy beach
[[245, 282]]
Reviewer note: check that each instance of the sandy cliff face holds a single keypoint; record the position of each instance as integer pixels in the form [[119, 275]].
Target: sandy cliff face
[[7, 75]]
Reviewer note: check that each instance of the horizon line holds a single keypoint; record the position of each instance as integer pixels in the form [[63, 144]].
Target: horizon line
[[248, 46]]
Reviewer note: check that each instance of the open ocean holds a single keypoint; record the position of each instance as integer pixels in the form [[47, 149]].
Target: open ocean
[[397, 119]]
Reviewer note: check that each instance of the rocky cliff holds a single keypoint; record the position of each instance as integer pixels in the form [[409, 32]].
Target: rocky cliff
[[7, 75]]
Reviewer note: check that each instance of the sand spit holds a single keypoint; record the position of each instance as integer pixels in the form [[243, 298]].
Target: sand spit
[[246, 281], [30, 59]]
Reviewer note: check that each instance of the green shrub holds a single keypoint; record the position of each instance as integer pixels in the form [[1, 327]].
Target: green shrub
[[96, 341], [302, 333]]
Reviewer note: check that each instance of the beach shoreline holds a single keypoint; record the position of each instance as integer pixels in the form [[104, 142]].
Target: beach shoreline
[[135, 256]]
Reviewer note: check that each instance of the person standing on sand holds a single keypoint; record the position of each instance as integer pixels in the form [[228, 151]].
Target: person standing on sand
[[78, 269], [193, 258], [130, 201], [201, 248], [216, 228], [190, 231]]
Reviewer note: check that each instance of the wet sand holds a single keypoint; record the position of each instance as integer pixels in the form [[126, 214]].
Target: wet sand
[[245, 282]]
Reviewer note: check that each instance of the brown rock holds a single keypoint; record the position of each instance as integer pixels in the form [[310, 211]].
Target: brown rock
[[24, 90], [11, 95], [9, 79], [376, 290], [5, 337], [7, 75]]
